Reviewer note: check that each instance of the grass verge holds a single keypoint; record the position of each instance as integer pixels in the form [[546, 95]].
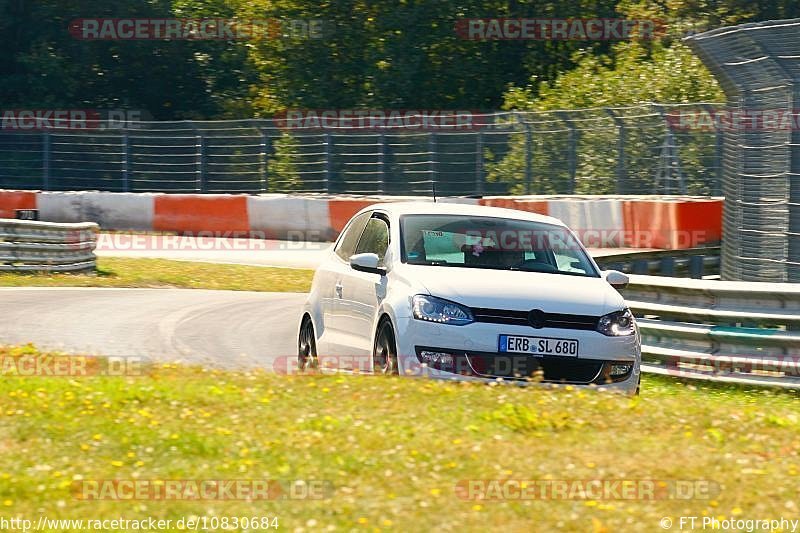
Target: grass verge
[[393, 450], [161, 273]]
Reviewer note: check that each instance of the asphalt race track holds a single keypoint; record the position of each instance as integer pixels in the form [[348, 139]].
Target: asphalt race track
[[231, 329]]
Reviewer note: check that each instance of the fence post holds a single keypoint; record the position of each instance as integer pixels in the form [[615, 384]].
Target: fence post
[[572, 154], [670, 155], [528, 153], [719, 144], [201, 164], [46, 161], [641, 266], [793, 237], [126, 162], [668, 267], [621, 187], [432, 149], [528, 159], [479, 174], [263, 167], [328, 161], [696, 266], [382, 161]]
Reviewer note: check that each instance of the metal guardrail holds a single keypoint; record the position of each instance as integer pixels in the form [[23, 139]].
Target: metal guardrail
[[724, 331], [694, 263], [27, 246]]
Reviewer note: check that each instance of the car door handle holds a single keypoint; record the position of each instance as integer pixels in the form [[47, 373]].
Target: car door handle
[[338, 288]]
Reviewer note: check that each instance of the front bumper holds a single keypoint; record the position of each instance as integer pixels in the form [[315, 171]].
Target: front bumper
[[473, 351], [546, 369]]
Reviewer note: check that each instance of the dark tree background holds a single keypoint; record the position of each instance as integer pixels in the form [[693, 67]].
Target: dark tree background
[[375, 53]]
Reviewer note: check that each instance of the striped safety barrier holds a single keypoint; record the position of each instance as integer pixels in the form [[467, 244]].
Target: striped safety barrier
[[600, 221]]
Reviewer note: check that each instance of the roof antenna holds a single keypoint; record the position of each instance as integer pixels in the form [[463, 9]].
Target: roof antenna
[[433, 186]]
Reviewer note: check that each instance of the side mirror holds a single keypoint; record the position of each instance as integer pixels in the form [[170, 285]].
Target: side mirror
[[367, 263], [617, 279]]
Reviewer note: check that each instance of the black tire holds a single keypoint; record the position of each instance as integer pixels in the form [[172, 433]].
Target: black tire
[[307, 346], [384, 350]]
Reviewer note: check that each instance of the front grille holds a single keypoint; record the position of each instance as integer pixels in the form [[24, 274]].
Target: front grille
[[549, 369], [520, 318]]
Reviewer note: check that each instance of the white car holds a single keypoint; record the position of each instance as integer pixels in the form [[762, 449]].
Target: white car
[[460, 291]]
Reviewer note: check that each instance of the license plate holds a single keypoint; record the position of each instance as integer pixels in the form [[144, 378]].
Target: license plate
[[538, 345]]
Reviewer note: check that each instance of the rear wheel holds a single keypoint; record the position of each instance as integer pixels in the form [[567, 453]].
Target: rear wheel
[[384, 352], [307, 346]]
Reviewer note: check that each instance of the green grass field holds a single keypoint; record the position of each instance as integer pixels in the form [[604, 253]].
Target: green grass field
[[393, 450], [162, 273]]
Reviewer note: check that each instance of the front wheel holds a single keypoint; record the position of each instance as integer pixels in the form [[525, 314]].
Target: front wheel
[[384, 352], [307, 346]]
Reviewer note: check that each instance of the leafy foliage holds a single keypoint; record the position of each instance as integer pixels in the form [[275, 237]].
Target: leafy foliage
[[374, 53], [391, 54]]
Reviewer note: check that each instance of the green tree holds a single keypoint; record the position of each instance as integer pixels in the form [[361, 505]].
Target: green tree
[[634, 72], [405, 55], [43, 65]]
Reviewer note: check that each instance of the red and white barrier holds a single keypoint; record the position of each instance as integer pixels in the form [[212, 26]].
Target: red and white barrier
[[10, 201], [600, 221], [664, 222], [111, 210], [280, 216]]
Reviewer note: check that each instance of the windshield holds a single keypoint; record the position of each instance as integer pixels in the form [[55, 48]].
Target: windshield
[[492, 243]]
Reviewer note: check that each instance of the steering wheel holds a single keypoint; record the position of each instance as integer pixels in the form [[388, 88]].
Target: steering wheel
[[535, 265]]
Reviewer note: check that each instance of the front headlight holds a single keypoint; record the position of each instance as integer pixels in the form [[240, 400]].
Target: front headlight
[[616, 324], [434, 309]]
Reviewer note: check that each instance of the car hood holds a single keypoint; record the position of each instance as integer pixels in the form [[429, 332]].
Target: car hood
[[517, 290]]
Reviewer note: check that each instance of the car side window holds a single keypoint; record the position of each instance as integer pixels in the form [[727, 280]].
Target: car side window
[[375, 238], [568, 259], [347, 243]]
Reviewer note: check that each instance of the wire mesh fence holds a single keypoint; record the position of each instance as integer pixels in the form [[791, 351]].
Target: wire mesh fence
[[640, 149], [758, 66]]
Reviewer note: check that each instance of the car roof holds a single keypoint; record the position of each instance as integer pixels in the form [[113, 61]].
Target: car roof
[[453, 208]]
